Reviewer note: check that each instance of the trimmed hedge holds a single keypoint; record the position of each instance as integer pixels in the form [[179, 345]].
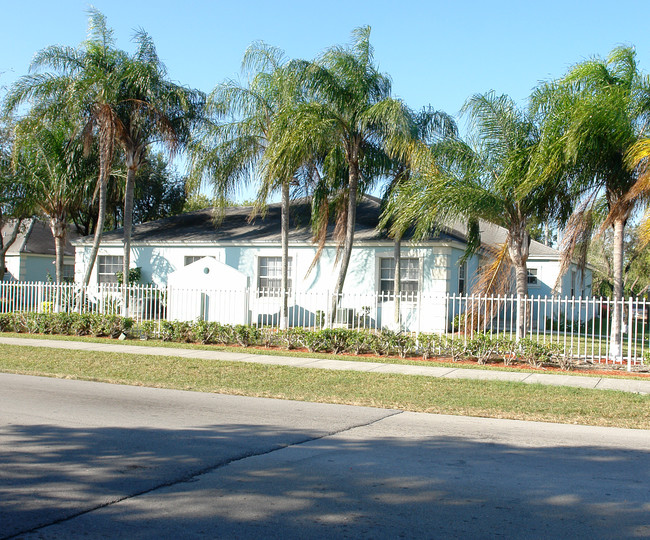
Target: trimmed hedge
[[481, 347], [70, 324]]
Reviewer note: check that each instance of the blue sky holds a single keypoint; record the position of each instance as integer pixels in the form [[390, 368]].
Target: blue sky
[[436, 52]]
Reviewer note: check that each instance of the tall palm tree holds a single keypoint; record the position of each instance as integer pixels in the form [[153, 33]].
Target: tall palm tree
[[592, 118], [87, 82], [426, 127], [480, 180], [347, 116], [232, 143], [57, 171], [149, 110]]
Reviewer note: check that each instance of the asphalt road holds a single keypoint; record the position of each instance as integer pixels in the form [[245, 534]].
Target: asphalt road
[[92, 460]]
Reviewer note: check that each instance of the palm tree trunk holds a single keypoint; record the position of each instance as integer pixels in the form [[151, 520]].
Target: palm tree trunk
[[521, 284], [615, 348], [128, 227], [353, 184], [101, 217], [518, 249], [398, 278], [284, 284], [58, 228], [106, 146], [6, 243]]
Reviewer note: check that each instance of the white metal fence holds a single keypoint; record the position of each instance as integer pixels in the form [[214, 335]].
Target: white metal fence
[[581, 325]]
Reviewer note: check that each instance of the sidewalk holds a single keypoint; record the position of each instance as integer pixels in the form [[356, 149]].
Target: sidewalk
[[601, 383]]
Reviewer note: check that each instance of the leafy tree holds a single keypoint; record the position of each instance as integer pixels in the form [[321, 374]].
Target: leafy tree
[[233, 140], [15, 195], [149, 109], [197, 201], [426, 127], [636, 264], [52, 161], [480, 180], [87, 82], [159, 191], [348, 114], [591, 119]]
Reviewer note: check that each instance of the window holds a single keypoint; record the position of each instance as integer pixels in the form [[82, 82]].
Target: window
[[409, 279], [189, 259], [532, 276], [462, 279], [573, 283], [68, 273], [269, 275], [107, 267]]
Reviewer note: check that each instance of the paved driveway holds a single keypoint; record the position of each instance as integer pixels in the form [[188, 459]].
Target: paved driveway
[[91, 460]]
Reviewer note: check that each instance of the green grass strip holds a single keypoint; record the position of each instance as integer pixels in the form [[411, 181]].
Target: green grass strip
[[412, 361], [494, 399]]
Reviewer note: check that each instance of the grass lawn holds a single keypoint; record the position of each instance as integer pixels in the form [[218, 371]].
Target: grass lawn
[[493, 399]]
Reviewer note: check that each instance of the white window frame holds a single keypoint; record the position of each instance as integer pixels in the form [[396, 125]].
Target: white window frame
[[462, 278], [108, 277], [405, 280], [272, 291], [532, 277]]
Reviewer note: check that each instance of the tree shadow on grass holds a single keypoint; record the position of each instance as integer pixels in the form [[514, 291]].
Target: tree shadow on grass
[[229, 481]]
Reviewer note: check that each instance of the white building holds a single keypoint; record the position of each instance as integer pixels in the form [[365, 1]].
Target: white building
[[245, 254]]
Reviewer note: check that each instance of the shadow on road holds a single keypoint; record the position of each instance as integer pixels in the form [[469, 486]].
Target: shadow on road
[[343, 485]]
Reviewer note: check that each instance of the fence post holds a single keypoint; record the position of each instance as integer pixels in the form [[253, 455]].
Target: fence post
[[249, 315], [328, 307], [629, 336]]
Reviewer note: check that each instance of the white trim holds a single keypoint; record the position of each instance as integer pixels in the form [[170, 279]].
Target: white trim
[[275, 254], [404, 254]]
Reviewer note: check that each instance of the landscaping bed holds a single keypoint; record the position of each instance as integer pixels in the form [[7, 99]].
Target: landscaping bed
[[386, 346]]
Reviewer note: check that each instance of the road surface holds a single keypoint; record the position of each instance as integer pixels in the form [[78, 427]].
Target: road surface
[[93, 460]]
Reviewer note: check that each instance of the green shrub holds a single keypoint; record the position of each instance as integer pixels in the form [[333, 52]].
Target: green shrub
[[9, 322], [270, 337], [481, 347], [455, 347], [204, 332], [360, 342], [401, 343], [148, 330], [429, 345], [506, 348], [246, 336], [335, 339], [63, 323], [82, 324], [535, 353]]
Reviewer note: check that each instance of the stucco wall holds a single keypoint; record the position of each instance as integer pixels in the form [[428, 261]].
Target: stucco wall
[[437, 270]]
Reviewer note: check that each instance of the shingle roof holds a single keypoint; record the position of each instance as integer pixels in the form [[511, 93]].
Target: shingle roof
[[35, 237], [200, 227]]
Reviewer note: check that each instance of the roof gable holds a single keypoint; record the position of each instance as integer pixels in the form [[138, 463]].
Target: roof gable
[[35, 237]]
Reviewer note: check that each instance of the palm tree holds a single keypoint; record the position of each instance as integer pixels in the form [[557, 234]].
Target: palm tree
[[591, 119], [477, 181], [87, 82], [149, 110], [57, 171], [427, 127], [233, 141], [346, 118]]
